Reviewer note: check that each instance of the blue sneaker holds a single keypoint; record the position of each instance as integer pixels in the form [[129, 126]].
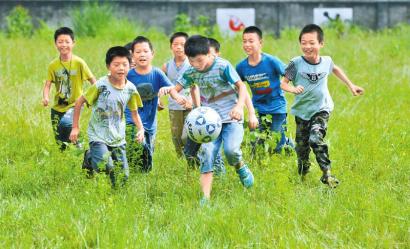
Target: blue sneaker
[[204, 202], [246, 176]]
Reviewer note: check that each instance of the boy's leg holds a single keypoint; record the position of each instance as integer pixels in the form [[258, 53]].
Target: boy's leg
[[219, 165], [279, 128], [134, 149], [176, 118], [100, 156], [191, 150], [208, 152], [317, 133], [232, 136], [302, 145], [119, 157], [55, 122], [66, 125], [147, 153]]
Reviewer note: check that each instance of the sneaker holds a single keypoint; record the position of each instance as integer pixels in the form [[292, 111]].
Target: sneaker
[[330, 180], [246, 176], [204, 202]]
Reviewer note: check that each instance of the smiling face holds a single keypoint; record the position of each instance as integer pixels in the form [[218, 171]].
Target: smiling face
[[201, 62], [310, 45], [177, 46], [251, 43], [142, 55], [118, 68], [64, 45]]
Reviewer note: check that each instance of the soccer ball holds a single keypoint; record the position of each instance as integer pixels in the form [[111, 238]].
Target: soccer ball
[[203, 125]]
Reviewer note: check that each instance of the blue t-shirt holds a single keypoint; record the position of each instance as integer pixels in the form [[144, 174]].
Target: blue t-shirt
[[264, 82], [313, 77], [148, 86], [216, 86]]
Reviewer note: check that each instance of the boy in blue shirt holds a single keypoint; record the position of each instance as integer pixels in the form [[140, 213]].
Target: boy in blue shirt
[[148, 80], [262, 72], [313, 104], [106, 130], [216, 80]]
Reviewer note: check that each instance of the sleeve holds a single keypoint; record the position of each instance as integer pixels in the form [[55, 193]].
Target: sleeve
[[239, 71], [91, 95], [279, 66], [290, 71], [230, 75], [135, 101], [50, 74], [185, 80], [331, 65], [86, 73], [164, 80]]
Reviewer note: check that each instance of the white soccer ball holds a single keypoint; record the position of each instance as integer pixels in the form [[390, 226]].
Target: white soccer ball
[[203, 124]]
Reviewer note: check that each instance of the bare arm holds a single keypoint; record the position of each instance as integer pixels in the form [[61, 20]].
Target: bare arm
[[46, 93], [174, 93], [285, 86], [196, 99], [252, 119], [356, 90], [77, 110], [237, 110], [137, 121]]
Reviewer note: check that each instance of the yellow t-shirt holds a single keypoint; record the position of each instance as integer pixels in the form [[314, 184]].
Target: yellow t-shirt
[[68, 77]]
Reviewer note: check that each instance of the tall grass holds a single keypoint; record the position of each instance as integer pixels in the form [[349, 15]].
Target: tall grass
[[46, 201]]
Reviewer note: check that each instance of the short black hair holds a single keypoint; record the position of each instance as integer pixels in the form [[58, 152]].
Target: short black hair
[[117, 51], [214, 43], [128, 45], [253, 29], [197, 45], [63, 31], [311, 28], [141, 39], [176, 35]]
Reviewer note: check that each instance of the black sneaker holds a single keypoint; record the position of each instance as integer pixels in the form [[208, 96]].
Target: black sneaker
[[329, 180], [303, 168]]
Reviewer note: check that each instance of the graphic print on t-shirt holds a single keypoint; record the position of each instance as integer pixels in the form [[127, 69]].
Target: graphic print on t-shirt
[[146, 91], [108, 110], [313, 77]]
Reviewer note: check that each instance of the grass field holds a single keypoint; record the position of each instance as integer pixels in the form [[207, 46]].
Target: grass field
[[47, 202]]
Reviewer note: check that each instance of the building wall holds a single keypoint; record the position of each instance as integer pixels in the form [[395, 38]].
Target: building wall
[[272, 15]]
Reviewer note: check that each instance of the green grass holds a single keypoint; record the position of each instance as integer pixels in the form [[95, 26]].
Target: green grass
[[46, 201]]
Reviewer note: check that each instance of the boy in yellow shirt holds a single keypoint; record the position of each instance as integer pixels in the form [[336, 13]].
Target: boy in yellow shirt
[[68, 73]]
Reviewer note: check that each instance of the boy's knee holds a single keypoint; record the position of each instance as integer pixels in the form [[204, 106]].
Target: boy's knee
[[234, 156]]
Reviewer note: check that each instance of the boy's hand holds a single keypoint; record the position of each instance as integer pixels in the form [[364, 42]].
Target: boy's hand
[[164, 91], [253, 121], [188, 105], [74, 134], [181, 100], [298, 89], [160, 105], [356, 90], [45, 101], [140, 136], [236, 113]]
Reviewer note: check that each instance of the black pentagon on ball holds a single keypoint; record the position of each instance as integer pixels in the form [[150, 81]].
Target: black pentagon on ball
[[210, 128], [200, 120]]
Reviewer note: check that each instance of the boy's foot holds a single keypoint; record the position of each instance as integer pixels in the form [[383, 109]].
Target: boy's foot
[[303, 168], [204, 202], [330, 180], [246, 176]]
